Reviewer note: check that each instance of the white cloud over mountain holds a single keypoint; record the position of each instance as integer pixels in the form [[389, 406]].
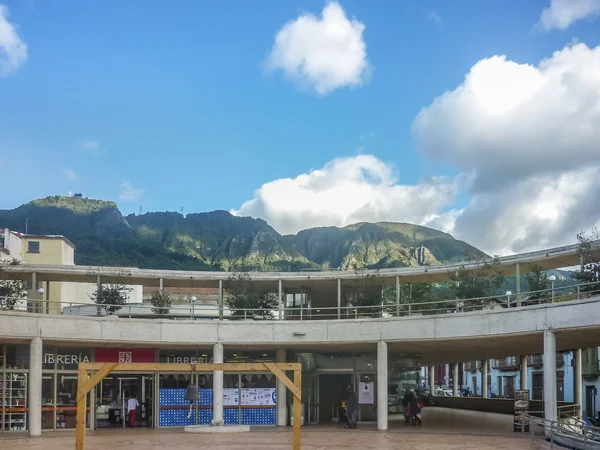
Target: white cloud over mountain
[[345, 191], [525, 138], [324, 53], [528, 136]]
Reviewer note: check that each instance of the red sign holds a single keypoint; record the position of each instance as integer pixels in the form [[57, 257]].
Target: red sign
[[125, 355]]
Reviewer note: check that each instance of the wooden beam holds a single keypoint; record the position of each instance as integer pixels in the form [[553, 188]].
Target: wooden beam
[[81, 407], [297, 408], [200, 367], [284, 378], [96, 378]]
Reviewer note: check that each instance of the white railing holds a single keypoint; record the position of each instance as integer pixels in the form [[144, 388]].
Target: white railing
[[581, 436], [385, 310]]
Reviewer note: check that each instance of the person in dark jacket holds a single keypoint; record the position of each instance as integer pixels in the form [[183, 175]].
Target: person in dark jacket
[[415, 408], [406, 406], [351, 407]]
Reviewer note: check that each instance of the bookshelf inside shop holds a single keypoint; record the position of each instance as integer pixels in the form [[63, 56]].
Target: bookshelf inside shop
[[13, 397]]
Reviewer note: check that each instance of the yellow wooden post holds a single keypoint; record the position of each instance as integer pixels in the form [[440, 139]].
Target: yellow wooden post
[[297, 408], [81, 407]]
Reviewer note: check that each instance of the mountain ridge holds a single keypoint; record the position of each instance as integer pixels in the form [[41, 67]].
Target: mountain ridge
[[219, 240]]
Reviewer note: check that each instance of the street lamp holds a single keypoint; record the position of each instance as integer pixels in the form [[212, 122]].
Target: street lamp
[[508, 294], [41, 292], [552, 278]]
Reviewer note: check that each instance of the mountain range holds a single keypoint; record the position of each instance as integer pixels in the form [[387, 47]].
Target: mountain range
[[218, 240]]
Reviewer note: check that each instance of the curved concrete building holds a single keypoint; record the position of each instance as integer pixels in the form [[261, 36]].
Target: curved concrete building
[[379, 351]]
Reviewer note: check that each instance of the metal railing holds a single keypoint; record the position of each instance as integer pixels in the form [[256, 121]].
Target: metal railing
[[579, 436], [384, 310]]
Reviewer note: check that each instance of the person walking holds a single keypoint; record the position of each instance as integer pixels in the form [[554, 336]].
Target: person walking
[[351, 407], [415, 408], [132, 405], [406, 406]]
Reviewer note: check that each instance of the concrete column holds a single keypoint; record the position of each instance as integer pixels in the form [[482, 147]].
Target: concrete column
[[455, 380], [524, 383], [280, 301], [221, 300], [578, 381], [550, 375], [160, 284], [382, 386], [397, 296], [484, 378], [339, 299], [35, 387], [281, 404], [518, 275], [431, 380], [218, 386]]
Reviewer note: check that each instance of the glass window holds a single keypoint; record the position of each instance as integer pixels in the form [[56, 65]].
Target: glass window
[[33, 247], [48, 402], [365, 362], [66, 401], [17, 357], [15, 400]]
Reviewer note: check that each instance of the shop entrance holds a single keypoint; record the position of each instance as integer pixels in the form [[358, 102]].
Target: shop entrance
[[333, 389], [112, 394]]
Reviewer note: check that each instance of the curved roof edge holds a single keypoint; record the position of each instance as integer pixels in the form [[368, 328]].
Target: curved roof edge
[[551, 258]]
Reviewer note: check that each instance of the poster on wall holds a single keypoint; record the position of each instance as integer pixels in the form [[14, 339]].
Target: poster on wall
[[258, 396], [231, 397], [366, 393], [521, 406]]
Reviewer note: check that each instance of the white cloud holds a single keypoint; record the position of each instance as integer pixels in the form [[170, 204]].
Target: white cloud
[[435, 17], [69, 174], [13, 50], [528, 138], [129, 193], [346, 191], [90, 146], [509, 120], [562, 13], [322, 53]]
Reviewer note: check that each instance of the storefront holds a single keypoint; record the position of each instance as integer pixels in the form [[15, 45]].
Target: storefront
[[248, 399], [14, 376]]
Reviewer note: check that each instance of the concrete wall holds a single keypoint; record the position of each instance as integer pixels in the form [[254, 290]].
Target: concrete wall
[[463, 326]]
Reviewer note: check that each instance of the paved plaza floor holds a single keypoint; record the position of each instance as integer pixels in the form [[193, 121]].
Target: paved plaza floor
[[318, 438], [442, 429]]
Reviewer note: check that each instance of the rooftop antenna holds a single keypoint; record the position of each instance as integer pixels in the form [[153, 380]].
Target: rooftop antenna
[[182, 210], [140, 210]]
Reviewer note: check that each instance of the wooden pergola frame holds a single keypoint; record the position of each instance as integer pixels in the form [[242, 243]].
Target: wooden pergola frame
[[85, 383]]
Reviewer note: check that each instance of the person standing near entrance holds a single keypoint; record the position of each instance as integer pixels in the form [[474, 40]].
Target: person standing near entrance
[[351, 407], [132, 405]]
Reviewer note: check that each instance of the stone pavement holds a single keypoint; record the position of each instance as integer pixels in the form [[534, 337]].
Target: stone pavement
[[317, 438]]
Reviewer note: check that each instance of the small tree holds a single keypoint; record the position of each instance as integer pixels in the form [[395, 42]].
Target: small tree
[[244, 298], [589, 251], [161, 302], [11, 291], [482, 281], [366, 291], [537, 280], [110, 297]]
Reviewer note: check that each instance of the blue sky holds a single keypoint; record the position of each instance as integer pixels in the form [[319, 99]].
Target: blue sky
[[174, 105]]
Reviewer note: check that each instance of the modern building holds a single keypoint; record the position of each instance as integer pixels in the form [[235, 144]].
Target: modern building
[[378, 350]]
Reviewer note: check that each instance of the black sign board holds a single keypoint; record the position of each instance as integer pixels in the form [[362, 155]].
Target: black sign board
[[521, 408]]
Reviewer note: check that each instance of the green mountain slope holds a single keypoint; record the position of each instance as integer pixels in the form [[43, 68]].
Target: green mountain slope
[[220, 241], [378, 245]]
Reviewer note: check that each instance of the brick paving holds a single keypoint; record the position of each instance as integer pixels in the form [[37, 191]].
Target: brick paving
[[319, 438]]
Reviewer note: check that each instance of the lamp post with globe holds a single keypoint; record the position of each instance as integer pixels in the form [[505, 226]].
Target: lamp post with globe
[[41, 300], [552, 279], [508, 294]]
